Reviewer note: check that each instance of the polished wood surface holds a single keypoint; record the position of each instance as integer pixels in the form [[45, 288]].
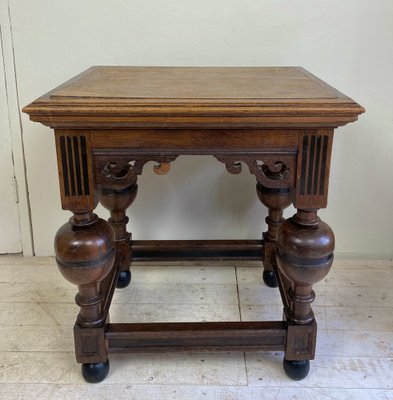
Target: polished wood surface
[[172, 250], [196, 336], [196, 83], [111, 121], [190, 96]]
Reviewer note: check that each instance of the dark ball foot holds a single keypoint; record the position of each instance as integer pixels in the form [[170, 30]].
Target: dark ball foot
[[123, 280], [95, 372], [270, 279], [296, 370]]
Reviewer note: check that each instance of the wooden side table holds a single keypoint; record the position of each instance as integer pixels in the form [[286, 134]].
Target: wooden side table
[[110, 121]]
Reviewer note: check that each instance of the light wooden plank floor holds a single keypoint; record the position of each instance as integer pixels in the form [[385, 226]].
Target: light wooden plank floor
[[354, 350]]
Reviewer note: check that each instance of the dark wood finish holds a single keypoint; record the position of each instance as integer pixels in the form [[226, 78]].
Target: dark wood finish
[[85, 253], [111, 121], [117, 202], [196, 336], [170, 250], [313, 166], [193, 141], [74, 161], [276, 200], [90, 344], [301, 341], [305, 247]]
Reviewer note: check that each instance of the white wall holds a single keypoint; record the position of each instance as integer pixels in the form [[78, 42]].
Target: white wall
[[347, 43]]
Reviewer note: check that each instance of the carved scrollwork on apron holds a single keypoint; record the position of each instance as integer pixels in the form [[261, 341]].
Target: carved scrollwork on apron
[[121, 171], [273, 170]]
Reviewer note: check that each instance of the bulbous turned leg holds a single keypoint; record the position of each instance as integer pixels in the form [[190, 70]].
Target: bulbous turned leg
[[117, 202], [305, 247], [85, 253], [276, 200]]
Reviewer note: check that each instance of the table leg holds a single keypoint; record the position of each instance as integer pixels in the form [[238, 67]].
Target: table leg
[[117, 202], [276, 200], [305, 247], [85, 254]]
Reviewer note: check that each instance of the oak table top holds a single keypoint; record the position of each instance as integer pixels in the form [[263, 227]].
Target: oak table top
[[194, 96]]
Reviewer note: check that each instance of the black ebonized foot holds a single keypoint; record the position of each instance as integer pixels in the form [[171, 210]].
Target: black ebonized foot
[[296, 370], [95, 372], [270, 279], [123, 280]]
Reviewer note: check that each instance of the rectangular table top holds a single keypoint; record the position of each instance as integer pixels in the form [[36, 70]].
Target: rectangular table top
[[196, 83], [176, 96]]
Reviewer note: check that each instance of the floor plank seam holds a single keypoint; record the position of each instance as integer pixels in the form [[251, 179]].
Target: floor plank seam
[[238, 294], [355, 355]]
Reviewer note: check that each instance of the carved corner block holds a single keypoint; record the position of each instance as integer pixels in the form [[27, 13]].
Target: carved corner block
[[313, 167], [75, 171], [90, 344], [301, 341]]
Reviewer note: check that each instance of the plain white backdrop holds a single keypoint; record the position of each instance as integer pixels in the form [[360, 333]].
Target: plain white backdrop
[[348, 43]]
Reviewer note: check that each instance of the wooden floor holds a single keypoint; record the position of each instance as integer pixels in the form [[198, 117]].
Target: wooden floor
[[354, 347]]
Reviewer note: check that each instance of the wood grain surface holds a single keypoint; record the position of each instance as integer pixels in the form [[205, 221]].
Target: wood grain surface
[[192, 97]]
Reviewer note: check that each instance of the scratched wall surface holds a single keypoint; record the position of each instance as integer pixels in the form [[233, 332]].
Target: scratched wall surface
[[348, 44]]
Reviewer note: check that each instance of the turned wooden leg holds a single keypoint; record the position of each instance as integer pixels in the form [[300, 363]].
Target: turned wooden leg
[[276, 200], [85, 253], [305, 247], [117, 202]]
